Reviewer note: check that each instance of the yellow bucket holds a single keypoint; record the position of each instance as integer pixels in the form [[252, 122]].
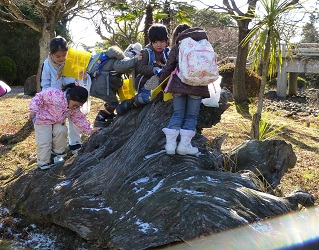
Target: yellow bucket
[[76, 62], [159, 88], [127, 91], [167, 96]]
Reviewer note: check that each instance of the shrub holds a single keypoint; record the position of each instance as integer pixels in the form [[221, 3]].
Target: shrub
[[252, 82], [301, 82], [8, 70]]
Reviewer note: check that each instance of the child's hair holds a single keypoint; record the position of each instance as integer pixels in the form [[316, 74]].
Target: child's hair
[[178, 29], [157, 32], [76, 93], [58, 44]]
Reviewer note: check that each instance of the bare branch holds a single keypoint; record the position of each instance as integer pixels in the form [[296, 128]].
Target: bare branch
[[112, 42], [16, 16]]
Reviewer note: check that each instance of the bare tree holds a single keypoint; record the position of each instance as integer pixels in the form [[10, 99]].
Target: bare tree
[[118, 23], [224, 41], [243, 20], [43, 18]]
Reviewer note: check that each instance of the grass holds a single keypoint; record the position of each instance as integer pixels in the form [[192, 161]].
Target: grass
[[17, 144]]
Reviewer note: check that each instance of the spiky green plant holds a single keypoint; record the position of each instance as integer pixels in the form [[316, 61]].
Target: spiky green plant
[[265, 39]]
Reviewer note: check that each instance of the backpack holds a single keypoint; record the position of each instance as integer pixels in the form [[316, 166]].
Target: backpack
[[197, 62], [96, 63]]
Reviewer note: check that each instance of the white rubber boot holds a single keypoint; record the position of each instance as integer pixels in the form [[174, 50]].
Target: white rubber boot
[[185, 147], [171, 135]]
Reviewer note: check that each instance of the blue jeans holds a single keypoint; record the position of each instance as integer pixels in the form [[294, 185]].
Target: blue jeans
[[144, 96], [186, 110]]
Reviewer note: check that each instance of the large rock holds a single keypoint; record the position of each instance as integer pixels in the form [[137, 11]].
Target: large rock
[[269, 159], [30, 86], [123, 192]]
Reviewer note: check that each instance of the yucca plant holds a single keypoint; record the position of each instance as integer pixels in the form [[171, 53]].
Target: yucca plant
[[268, 125], [269, 128], [265, 39]]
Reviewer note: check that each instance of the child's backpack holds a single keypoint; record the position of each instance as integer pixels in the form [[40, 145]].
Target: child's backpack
[[197, 62], [96, 63]]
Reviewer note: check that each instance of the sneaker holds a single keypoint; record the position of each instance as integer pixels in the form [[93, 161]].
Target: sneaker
[[45, 166], [59, 154], [75, 148], [124, 107], [58, 159], [102, 124], [103, 119], [110, 108]]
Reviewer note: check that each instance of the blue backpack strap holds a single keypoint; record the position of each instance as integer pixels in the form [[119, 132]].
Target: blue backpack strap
[[151, 56], [166, 52], [41, 75]]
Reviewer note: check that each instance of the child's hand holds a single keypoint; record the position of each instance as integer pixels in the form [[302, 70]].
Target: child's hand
[[84, 75], [94, 130], [32, 115]]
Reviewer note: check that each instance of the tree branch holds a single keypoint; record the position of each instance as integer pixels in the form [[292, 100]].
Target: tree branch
[[16, 16]]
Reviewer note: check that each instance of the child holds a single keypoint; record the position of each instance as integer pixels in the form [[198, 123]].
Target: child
[[49, 110], [153, 59], [186, 101], [106, 83], [51, 76]]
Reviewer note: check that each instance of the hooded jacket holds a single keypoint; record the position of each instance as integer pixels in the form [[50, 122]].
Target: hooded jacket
[[176, 85], [144, 70], [51, 107], [110, 80]]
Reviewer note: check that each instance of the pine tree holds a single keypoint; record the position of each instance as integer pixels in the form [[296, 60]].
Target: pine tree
[[310, 33]]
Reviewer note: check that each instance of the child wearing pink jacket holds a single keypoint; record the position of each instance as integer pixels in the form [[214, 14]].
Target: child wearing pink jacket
[[49, 110]]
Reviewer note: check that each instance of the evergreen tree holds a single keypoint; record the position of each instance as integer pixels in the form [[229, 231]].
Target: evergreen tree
[[310, 33]]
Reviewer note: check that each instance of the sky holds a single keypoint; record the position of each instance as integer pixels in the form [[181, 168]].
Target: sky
[[82, 30]]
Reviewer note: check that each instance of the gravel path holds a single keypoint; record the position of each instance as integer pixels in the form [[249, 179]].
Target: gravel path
[[16, 90]]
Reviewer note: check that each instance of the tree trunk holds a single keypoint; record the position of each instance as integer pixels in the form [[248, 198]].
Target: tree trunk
[[44, 44], [124, 192], [148, 22], [239, 89], [167, 20], [254, 134]]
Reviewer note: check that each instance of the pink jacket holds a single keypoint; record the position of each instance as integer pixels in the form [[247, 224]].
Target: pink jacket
[[51, 106]]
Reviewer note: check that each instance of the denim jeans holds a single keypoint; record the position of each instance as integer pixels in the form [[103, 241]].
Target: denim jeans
[[144, 96], [186, 110]]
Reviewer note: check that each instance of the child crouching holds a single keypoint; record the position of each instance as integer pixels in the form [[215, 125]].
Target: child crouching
[[49, 110]]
